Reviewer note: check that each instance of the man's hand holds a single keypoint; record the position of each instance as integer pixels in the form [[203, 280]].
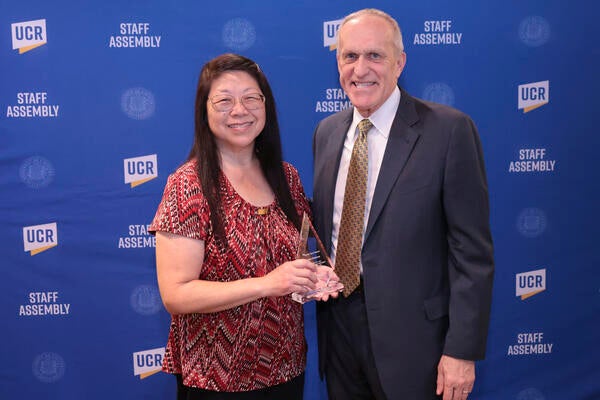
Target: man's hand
[[327, 277], [455, 378]]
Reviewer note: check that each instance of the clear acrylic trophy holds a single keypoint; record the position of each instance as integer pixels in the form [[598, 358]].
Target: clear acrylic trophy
[[312, 249]]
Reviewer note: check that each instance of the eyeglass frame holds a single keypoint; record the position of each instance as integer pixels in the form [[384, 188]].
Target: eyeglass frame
[[236, 100]]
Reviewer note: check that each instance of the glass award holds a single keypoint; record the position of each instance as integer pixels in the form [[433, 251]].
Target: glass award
[[310, 247]]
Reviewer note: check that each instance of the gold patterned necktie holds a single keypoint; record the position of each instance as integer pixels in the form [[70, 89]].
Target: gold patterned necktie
[[347, 259]]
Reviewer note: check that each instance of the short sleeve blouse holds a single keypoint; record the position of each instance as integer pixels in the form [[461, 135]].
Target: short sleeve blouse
[[255, 345]]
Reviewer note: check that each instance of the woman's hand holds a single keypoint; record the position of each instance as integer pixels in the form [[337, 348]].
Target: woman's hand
[[293, 276]]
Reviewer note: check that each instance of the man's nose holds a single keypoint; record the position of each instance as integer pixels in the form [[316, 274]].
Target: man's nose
[[361, 67]]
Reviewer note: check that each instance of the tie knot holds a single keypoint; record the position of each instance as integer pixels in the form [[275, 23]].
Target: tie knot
[[364, 126]]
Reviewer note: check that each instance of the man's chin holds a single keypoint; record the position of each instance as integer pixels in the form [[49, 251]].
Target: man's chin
[[361, 98], [364, 107]]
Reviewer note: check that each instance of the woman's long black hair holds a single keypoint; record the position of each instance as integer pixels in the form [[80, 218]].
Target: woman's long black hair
[[267, 145]]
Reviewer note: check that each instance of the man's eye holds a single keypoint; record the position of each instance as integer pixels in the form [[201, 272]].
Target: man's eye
[[350, 57], [375, 56]]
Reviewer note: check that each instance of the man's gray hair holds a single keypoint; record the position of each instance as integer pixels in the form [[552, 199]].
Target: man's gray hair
[[373, 11]]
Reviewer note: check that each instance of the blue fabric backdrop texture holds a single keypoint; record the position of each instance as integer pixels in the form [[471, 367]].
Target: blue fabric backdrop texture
[[96, 103]]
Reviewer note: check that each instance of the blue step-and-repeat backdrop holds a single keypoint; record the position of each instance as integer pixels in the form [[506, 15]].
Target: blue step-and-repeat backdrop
[[96, 109]]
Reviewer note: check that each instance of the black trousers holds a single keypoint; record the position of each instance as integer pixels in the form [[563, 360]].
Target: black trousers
[[351, 372], [290, 390]]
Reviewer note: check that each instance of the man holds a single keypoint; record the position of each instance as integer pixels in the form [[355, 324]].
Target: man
[[419, 316]]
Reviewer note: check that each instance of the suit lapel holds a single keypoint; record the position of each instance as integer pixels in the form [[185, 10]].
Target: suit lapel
[[333, 154], [401, 141]]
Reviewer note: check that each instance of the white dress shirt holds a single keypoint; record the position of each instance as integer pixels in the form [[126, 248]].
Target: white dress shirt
[[377, 138]]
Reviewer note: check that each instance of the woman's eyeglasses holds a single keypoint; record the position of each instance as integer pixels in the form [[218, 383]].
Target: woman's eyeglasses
[[224, 103]]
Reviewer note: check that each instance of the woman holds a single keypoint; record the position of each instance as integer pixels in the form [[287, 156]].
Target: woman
[[226, 239]]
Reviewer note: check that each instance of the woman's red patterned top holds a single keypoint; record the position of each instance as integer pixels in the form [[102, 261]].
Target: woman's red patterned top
[[254, 345]]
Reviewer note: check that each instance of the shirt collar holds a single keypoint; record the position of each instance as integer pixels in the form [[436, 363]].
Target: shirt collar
[[383, 118]]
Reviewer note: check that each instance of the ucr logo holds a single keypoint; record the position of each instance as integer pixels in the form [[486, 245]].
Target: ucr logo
[[148, 362], [38, 238], [533, 95], [530, 283], [28, 35], [140, 170], [330, 30]]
